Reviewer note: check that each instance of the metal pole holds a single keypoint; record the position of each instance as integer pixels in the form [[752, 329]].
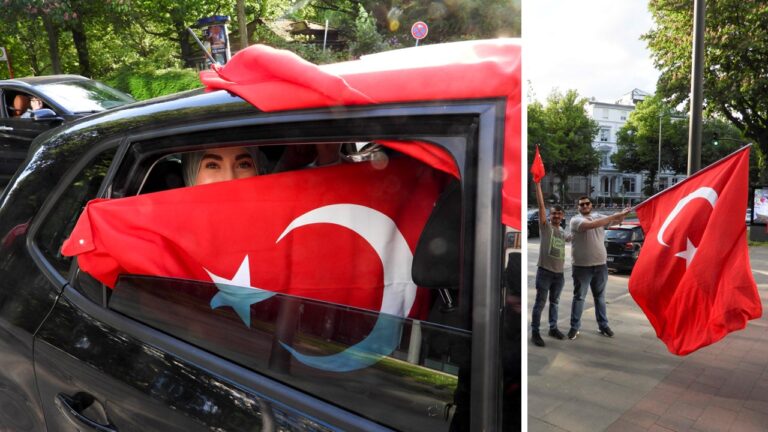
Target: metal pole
[[325, 35], [658, 164], [697, 88]]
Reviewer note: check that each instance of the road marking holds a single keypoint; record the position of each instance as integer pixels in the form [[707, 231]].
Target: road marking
[[764, 273]]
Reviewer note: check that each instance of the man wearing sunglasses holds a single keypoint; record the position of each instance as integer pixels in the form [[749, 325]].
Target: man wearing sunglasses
[[590, 263]]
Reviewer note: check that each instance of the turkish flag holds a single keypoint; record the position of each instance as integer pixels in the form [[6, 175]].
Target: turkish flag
[[537, 167], [343, 234], [693, 279], [479, 69]]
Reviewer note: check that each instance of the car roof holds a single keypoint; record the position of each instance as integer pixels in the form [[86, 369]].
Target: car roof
[[625, 226], [43, 79]]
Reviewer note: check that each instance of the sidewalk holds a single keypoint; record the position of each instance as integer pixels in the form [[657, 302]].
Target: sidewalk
[[632, 383]]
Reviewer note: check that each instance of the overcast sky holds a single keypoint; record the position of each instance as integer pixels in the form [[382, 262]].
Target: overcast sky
[[592, 46]]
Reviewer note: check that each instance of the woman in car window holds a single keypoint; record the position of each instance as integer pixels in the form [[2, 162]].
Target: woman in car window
[[222, 164]]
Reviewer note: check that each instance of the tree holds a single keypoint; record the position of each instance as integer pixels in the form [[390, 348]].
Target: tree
[[638, 142], [564, 132], [736, 60]]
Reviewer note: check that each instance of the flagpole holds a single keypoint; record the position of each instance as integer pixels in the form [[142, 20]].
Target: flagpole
[[701, 171]]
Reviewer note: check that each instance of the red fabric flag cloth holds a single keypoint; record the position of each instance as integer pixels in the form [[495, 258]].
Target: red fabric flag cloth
[[263, 76], [693, 279], [343, 234], [537, 167]]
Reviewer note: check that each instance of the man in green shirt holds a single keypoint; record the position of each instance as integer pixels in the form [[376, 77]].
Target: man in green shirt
[[549, 273]]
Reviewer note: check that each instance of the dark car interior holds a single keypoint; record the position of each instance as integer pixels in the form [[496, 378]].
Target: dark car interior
[[17, 103]]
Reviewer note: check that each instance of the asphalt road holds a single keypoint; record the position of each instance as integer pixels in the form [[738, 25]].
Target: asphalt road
[[631, 382]]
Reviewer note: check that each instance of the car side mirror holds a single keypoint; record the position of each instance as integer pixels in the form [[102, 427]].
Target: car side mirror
[[46, 115]]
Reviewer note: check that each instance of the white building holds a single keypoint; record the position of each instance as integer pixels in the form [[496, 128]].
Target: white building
[[610, 185]]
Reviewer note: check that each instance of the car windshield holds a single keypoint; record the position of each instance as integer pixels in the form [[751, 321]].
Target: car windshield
[[85, 95], [618, 235]]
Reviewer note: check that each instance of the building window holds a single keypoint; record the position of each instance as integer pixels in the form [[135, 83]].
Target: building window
[[605, 160], [623, 116], [605, 134], [628, 184], [605, 113]]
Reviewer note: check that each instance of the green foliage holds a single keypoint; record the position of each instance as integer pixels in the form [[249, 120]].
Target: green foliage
[[148, 84], [736, 61], [564, 132], [367, 39], [638, 141]]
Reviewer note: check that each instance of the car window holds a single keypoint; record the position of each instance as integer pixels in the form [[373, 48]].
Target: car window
[[61, 218], [618, 235], [409, 372], [84, 95], [637, 235]]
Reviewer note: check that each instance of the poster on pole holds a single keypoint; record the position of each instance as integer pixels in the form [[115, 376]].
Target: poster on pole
[[3, 56]]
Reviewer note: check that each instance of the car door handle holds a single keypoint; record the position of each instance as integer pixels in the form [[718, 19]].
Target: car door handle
[[73, 407], [6, 128]]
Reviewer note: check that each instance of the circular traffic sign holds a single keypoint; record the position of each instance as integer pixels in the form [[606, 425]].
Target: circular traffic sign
[[419, 30]]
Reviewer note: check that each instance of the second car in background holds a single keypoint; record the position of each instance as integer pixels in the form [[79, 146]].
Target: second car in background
[[623, 243]]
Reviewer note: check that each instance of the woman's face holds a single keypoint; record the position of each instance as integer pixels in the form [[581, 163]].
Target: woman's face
[[225, 164]]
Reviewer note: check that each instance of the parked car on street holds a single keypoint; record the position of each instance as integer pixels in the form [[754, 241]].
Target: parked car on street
[[161, 352], [31, 106], [623, 243]]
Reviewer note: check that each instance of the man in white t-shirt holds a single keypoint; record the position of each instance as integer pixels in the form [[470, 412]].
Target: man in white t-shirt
[[590, 268]]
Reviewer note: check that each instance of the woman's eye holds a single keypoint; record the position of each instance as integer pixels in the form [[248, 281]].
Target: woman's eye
[[211, 165], [245, 165]]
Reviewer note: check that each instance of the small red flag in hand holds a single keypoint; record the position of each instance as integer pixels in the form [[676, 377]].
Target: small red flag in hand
[[537, 167], [693, 279]]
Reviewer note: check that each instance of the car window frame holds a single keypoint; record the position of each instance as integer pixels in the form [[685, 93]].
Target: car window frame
[[483, 265], [48, 269]]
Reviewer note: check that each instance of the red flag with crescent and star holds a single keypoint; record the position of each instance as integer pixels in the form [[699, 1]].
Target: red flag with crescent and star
[[343, 234], [692, 278]]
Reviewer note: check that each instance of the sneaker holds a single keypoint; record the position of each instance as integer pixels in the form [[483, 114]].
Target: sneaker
[[537, 340], [606, 331], [572, 333], [556, 333]]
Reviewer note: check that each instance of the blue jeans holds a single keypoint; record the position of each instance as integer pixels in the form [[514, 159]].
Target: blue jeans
[[551, 283], [594, 277]]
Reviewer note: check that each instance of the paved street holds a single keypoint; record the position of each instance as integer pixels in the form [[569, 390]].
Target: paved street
[[632, 383]]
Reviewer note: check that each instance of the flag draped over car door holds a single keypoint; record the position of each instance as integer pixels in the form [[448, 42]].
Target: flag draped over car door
[[693, 279], [278, 80], [343, 234]]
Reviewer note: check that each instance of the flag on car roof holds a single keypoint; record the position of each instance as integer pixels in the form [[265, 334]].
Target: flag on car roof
[[263, 76], [692, 278], [537, 167]]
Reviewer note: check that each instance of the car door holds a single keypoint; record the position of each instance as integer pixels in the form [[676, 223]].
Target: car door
[[16, 134], [154, 354]]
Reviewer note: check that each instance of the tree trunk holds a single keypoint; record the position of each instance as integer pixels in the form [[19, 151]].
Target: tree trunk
[[53, 44], [81, 46], [242, 23], [186, 47]]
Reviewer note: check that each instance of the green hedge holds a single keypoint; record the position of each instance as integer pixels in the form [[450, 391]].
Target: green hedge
[[147, 84]]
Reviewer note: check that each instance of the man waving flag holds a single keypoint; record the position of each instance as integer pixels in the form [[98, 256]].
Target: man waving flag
[[693, 279]]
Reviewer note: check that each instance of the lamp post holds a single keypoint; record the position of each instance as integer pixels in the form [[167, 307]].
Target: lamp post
[[658, 162]]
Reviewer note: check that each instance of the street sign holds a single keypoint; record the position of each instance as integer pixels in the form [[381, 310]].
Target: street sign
[[3, 57], [419, 30]]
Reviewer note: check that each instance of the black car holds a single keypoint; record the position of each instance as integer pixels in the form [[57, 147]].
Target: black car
[[153, 354], [32, 105], [623, 244]]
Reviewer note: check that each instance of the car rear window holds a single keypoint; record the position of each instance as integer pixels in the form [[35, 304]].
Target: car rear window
[[618, 235]]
